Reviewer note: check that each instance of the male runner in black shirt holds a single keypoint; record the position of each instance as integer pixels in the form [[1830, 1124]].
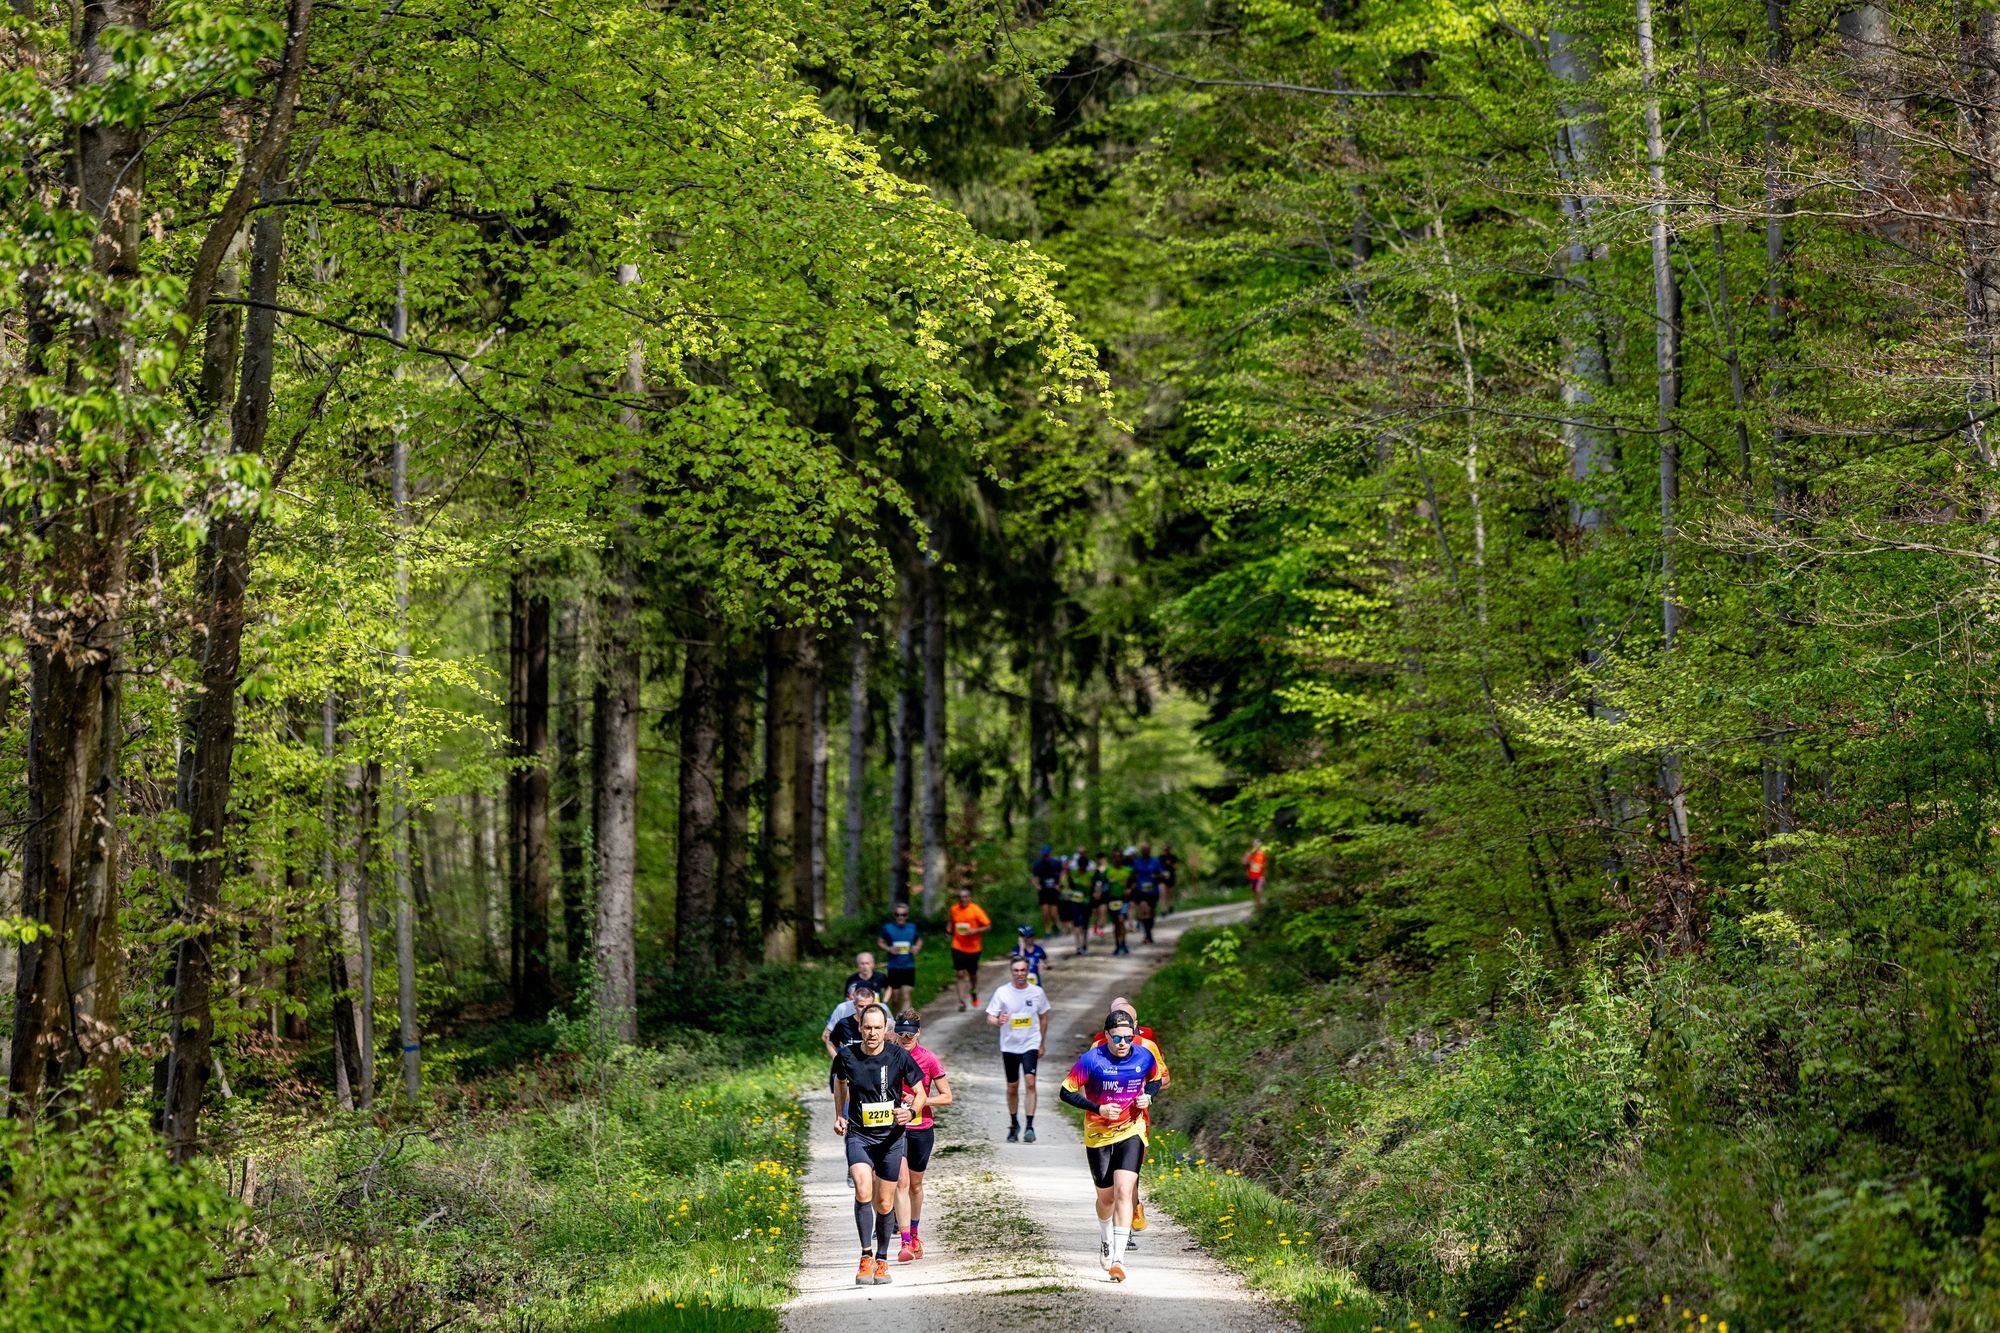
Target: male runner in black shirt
[[878, 1089]]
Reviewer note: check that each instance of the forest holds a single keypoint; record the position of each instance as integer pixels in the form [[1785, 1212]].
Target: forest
[[525, 526]]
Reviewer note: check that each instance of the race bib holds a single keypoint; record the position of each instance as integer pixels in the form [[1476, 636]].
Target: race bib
[[899, 948], [878, 1115], [963, 928], [1019, 1021]]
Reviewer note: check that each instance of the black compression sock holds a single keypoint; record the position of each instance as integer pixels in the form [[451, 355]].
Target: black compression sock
[[885, 1227], [1031, 1122], [864, 1221], [1013, 1121]]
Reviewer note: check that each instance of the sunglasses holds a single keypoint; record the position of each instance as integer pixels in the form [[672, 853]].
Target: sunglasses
[[1122, 1038]]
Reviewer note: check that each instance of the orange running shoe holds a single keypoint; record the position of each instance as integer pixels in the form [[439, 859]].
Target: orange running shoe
[[865, 1275], [882, 1272], [1117, 1272], [917, 1244], [907, 1253], [1138, 1216]]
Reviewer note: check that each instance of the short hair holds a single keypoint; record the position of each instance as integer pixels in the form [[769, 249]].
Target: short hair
[[861, 1015]]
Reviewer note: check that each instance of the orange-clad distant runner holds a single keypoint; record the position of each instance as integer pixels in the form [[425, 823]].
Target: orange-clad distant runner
[[969, 924]]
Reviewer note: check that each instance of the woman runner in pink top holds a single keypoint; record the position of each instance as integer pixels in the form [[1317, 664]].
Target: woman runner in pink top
[[921, 1136]]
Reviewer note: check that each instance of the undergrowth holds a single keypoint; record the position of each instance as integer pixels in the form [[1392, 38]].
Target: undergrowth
[[1789, 1130]]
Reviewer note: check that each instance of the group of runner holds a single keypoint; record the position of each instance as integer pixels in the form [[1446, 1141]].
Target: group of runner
[[1087, 894], [886, 1086]]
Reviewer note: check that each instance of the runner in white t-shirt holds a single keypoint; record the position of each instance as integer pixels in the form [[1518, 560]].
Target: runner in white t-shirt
[[1020, 1010]]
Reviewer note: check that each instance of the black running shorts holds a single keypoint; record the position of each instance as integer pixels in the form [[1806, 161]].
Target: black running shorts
[[962, 961], [1048, 897], [1128, 1154], [884, 1158], [921, 1143], [902, 976], [1016, 1061]]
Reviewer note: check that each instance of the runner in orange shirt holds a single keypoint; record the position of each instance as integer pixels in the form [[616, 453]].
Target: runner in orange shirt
[[1257, 863], [969, 924]]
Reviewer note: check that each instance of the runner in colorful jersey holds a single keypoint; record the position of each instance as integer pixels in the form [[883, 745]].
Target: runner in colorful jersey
[[1113, 1085], [878, 1090], [1152, 1043], [922, 1136], [969, 924], [1020, 1009], [1257, 863], [902, 941]]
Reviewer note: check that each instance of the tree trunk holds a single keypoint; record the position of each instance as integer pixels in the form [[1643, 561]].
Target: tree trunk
[[342, 921], [936, 864], [1042, 731], [822, 757], [1589, 449], [857, 769], [1666, 374], [211, 724], [1093, 776], [358, 919], [528, 799], [67, 990], [1882, 124], [295, 1028], [700, 789], [902, 744], [615, 746], [739, 746], [482, 880], [568, 789], [784, 907], [1980, 113], [615, 787], [1776, 759]]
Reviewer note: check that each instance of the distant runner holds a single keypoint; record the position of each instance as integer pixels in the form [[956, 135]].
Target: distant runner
[[1170, 879], [969, 924], [1113, 1085], [1077, 906], [1256, 864], [1020, 1010], [1027, 947], [1110, 885], [902, 941], [842, 1027], [1146, 888], [878, 1089], [865, 970], [922, 1136], [1049, 875]]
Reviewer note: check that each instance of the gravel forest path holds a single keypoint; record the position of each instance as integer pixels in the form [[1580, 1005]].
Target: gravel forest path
[[1011, 1229]]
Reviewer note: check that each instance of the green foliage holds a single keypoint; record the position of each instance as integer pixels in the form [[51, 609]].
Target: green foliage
[[98, 1232], [1753, 1140]]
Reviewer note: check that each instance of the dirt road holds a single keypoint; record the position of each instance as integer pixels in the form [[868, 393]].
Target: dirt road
[[1010, 1230]]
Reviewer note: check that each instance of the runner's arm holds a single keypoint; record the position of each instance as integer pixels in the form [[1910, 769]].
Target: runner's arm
[[1071, 1097], [839, 1106], [940, 1094], [1043, 1049]]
